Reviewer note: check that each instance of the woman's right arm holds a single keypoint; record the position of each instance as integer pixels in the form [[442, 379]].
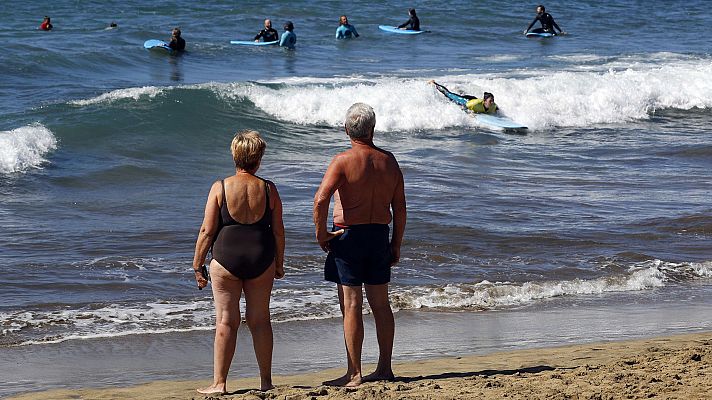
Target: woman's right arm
[[207, 231], [277, 230]]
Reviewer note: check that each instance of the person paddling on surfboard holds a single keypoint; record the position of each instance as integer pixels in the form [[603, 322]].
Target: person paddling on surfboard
[[268, 34], [46, 25], [485, 105], [177, 43], [547, 22], [289, 38], [345, 30], [413, 23]]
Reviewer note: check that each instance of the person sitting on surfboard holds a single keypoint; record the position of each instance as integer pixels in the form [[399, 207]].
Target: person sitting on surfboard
[[413, 23], [485, 105], [177, 43], [547, 22], [289, 38], [268, 34], [46, 25], [345, 30]]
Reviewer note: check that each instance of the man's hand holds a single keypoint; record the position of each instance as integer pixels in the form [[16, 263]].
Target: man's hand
[[395, 254], [324, 241]]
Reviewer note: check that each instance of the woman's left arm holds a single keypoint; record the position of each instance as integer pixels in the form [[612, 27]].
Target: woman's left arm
[[277, 230], [207, 232]]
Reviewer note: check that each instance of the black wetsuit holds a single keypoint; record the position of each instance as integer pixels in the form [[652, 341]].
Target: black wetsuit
[[246, 250], [268, 35], [177, 44], [413, 24], [547, 23]]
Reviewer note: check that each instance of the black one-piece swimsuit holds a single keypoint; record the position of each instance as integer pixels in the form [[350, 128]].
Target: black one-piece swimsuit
[[246, 250]]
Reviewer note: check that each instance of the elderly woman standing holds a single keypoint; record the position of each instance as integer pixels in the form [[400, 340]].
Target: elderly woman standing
[[243, 223]]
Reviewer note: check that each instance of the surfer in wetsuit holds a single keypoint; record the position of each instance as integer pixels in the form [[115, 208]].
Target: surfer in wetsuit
[[547, 22], [345, 30], [268, 34], [177, 43], [413, 23], [46, 25], [289, 38], [485, 105]]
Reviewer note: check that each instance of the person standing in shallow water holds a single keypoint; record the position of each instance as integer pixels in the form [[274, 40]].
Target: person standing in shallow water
[[268, 34], [345, 30], [547, 22], [413, 22], [177, 42], [243, 224], [46, 25], [289, 38], [367, 184]]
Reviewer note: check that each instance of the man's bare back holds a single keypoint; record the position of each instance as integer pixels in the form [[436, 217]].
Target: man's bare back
[[369, 177]]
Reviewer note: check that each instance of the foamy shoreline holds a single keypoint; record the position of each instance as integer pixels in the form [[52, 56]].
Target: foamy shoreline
[[678, 366]]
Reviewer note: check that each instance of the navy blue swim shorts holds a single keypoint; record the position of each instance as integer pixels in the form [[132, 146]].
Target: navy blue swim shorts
[[361, 255]]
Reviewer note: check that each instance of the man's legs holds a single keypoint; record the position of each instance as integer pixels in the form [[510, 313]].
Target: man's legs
[[385, 331], [351, 302]]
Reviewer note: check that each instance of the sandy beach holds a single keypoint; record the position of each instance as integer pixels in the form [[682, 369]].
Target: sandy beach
[[672, 367]]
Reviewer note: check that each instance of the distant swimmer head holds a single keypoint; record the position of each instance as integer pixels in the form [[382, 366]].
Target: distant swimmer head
[[411, 12], [360, 121], [343, 20], [268, 23], [247, 149], [288, 26], [176, 32], [113, 25]]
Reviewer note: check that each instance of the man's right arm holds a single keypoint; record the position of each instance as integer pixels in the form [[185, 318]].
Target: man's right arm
[[401, 26], [259, 35], [333, 178]]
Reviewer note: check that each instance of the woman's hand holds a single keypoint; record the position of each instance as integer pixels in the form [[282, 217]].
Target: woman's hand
[[200, 279], [279, 271]]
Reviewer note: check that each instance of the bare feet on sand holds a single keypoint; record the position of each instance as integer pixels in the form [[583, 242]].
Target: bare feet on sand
[[380, 376], [347, 380], [213, 389]]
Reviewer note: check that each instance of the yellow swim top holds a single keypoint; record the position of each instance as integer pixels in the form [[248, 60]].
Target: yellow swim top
[[477, 106]]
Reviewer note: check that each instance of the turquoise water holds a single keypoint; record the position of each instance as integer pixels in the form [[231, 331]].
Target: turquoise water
[[107, 152]]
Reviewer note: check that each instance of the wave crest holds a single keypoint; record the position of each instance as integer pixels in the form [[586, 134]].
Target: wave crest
[[24, 148]]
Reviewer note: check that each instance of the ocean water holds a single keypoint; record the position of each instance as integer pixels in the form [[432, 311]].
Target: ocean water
[[107, 152]]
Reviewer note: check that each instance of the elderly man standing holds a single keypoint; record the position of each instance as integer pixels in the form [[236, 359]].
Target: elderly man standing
[[367, 183]]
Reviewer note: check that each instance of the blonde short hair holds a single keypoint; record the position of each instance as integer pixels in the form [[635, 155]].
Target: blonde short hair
[[247, 149]]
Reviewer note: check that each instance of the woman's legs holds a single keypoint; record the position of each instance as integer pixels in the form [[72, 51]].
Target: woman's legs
[[226, 292], [257, 316]]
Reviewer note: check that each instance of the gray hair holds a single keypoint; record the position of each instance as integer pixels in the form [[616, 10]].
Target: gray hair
[[360, 120]]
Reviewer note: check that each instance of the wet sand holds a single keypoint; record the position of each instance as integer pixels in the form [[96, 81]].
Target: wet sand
[[671, 367]]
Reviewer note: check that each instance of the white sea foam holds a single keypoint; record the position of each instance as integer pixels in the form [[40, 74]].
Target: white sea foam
[[319, 302], [24, 148], [134, 93], [626, 92], [487, 295]]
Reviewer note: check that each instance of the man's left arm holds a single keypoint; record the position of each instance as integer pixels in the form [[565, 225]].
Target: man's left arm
[[399, 218]]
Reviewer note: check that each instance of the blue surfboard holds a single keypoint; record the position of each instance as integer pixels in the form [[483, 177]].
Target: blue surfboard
[[155, 43], [498, 122], [253, 43], [540, 34], [393, 29]]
